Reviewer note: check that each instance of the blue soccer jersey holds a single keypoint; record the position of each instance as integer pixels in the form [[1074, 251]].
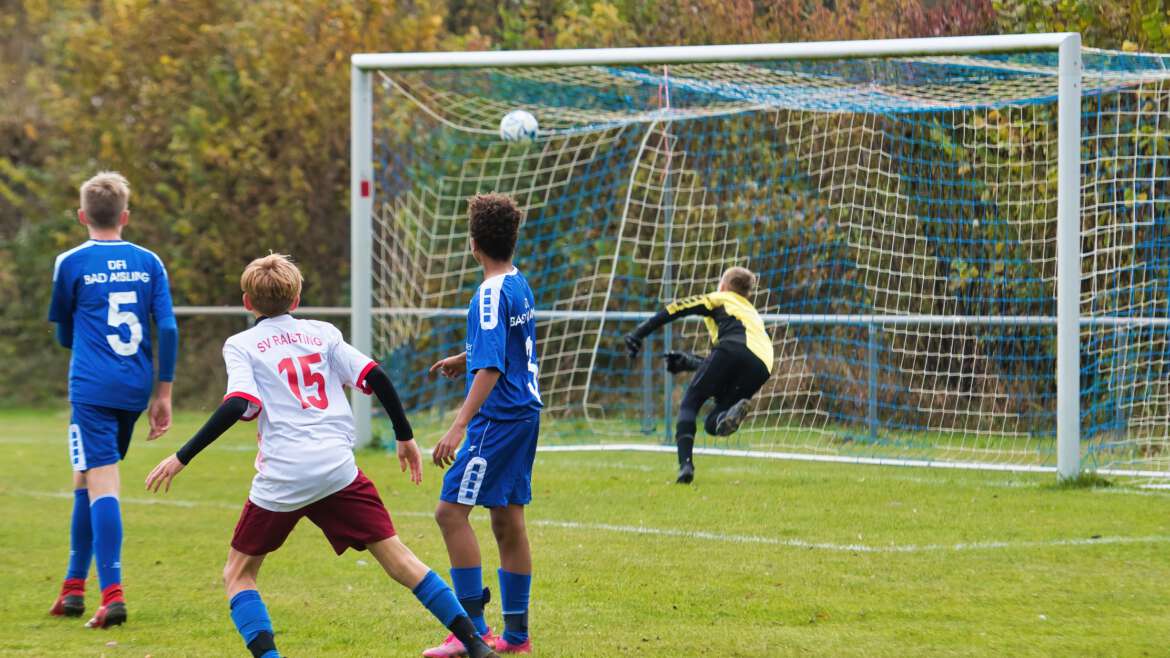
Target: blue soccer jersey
[[104, 294], [501, 334]]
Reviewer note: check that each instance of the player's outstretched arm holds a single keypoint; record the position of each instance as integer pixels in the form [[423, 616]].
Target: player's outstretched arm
[[698, 305], [228, 414], [452, 366], [444, 451], [408, 453]]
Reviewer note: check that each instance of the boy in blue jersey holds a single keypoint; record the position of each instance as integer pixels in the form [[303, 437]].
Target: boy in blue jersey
[[501, 419], [105, 291]]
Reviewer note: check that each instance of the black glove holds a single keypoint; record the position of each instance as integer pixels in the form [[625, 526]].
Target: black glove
[[677, 362], [633, 345]]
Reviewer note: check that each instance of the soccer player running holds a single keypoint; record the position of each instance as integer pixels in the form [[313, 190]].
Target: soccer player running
[[105, 292], [290, 374], [732, 372], [501, 420]]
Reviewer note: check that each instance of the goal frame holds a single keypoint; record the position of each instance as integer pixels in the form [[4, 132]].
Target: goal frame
[[1068, 319]]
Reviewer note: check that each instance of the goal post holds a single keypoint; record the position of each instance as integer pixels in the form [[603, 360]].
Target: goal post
[[936, 186]]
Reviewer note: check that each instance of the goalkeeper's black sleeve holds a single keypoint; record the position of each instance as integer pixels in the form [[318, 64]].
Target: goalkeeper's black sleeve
[[378, 382], [228, 413], [698, 305]]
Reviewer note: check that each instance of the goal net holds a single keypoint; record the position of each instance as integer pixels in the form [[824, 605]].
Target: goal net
[[901, 214]]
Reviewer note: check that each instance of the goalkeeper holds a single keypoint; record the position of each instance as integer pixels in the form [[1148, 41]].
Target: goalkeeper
[[732, 372]]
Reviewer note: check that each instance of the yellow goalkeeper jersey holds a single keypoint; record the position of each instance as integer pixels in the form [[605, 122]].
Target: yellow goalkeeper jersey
[[730, 318]]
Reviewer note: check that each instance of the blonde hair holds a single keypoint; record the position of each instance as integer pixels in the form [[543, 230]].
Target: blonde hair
[[272, 283], [740, 280], [104, 198]]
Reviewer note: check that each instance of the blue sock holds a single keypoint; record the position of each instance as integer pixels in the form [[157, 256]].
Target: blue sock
[[432, 592], [514, 592], [106, 519], [468, 582], [80, 537], [251, 620]]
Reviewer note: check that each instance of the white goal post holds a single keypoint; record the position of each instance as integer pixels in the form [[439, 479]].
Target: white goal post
[[1068, 316]]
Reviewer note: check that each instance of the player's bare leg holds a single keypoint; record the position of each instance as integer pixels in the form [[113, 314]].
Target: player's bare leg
[[458, 535], [404, 567], [104, 483], [463, 551], [240, 572], [71, 600], [511, 534], [399, 562]]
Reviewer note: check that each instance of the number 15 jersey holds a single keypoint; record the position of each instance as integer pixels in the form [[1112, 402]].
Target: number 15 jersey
[[293, 373]]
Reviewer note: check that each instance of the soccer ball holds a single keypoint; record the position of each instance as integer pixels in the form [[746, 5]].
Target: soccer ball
[[518, 125]]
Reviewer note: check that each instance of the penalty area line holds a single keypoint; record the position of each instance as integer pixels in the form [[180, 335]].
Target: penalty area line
[[699, 535]]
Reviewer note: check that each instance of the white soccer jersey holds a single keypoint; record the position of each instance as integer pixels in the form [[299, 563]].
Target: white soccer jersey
[[293, 373]]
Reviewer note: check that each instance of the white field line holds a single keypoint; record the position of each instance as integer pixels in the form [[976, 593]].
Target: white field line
[[844, 459], [706, 536]]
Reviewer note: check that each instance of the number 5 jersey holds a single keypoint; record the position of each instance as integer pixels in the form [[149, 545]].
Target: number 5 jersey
[[293, 373], [104, 295]]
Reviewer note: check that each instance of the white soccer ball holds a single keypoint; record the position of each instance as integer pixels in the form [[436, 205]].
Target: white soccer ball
[[518, 125]]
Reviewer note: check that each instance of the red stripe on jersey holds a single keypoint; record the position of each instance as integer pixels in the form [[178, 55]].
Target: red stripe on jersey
[[250, 398], [361, 380]]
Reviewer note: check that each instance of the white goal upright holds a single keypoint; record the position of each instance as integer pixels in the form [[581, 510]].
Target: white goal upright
[[963, 243]]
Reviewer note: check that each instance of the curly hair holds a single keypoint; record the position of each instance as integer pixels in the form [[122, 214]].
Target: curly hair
[[495, 222]]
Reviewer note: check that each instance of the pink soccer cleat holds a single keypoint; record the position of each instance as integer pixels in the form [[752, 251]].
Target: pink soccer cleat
[[504, 646], [453, 647]]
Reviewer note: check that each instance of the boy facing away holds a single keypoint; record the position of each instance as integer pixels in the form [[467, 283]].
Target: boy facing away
[[735, 369], [291, 373], [105, 292], [501, 420]]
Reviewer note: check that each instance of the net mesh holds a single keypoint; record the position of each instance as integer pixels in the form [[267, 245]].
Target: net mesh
[[900, 213]]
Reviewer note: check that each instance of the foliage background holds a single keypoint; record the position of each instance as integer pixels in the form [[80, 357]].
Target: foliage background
[[231, 121]]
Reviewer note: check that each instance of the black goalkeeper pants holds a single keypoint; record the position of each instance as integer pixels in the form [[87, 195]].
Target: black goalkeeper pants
[[730, 373]]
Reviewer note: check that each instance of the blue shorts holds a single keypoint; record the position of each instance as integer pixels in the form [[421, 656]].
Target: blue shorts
[[494, 466], [99, 436]]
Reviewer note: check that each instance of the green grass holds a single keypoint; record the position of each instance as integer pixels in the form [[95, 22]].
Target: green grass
[[757, 558]]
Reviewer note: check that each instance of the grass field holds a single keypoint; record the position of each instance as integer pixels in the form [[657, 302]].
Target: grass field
[[757, 558]]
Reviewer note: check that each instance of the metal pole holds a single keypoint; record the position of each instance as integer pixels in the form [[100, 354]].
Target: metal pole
[[667, 269], [872, 387], [361, 193], [725, 53], [648, 387], [1068, 261]]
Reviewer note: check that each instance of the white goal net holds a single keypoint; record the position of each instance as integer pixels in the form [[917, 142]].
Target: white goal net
[[901, 213]]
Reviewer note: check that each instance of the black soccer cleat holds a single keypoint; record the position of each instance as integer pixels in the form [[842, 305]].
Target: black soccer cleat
[[480, 649], [730, 420], [111, 614], [686, 473], [68, 605]]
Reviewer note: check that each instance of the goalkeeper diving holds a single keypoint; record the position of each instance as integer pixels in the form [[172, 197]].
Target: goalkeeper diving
[[737, 366]]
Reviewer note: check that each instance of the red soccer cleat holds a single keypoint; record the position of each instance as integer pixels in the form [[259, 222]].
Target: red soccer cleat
[[113, 610], [504, 646], [71, 601]]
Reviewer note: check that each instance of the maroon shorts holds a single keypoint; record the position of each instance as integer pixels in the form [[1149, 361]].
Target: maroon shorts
[[351, 518]]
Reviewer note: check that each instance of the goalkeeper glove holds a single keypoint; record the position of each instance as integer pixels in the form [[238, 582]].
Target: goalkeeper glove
[[633, 345], [677, 362]]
